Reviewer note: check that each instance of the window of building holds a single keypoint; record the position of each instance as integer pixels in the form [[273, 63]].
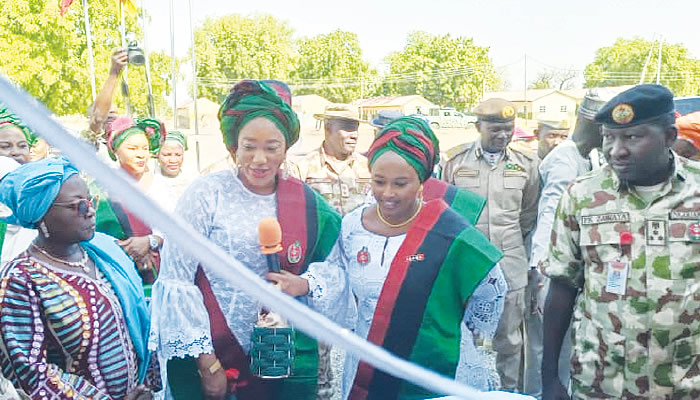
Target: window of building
[[562, 108], [543, 109]]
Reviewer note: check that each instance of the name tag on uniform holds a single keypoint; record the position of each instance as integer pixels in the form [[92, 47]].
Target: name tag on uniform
[[675, 214], [617, 278], [467, 172], [603, 218]]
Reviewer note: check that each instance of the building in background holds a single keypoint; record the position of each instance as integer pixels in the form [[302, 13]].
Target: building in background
[[413, 104]]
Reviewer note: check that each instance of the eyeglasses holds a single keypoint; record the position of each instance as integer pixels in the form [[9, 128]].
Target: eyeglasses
[[82, 206]]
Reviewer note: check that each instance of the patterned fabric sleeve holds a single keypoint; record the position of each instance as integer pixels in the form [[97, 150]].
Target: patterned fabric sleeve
[[24, 346], [481, 319], [329, 288], [564, 260], [486, 304], [179, 321]]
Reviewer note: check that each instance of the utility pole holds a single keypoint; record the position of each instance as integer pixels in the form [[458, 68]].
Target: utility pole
[[174, 63], [658, 68], [194, 90], [646, 63], [91, 58], [525, 90]]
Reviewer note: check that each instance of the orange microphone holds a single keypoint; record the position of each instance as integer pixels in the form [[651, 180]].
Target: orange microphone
[[270, 238]]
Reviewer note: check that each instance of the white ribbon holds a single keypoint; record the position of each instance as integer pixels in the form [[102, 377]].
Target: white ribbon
[[83, 156]]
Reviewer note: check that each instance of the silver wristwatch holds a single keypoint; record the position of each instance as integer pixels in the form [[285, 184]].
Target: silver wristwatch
[[153, 242]]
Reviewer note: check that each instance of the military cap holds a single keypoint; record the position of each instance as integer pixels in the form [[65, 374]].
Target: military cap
[[495, 110], [554, 125], [639, 105], [384, 117]]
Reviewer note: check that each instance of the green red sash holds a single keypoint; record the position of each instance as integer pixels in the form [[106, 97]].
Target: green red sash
[[466, 203], [310, 228], [441, 261]]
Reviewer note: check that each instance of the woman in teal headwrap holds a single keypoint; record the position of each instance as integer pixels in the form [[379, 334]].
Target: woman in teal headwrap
[[170, 159], [132, 143], [73, 319], [202, 325]]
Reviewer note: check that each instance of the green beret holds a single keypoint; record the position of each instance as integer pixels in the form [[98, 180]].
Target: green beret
[[495, 110], [638, 105]]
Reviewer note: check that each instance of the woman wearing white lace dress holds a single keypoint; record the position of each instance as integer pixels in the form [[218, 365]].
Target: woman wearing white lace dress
[[201, 325], [406, 273]]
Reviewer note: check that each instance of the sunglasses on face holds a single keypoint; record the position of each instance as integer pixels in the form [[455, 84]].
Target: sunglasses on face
[[82, 206]]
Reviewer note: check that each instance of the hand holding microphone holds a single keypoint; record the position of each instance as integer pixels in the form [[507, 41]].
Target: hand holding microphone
[[270, 238]]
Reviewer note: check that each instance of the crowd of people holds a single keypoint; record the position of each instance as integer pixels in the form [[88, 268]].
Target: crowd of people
[[555, 266]]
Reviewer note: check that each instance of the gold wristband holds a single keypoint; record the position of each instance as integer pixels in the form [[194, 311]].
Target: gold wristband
[[215, 367]]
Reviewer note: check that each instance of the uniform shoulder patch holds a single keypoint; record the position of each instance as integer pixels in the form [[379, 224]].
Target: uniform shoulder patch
[[530, 155], [457, 150]]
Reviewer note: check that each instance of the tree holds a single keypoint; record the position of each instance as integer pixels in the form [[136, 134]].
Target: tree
[[328, 59], [235, 47], [46, 54], [445, 70], [561, 79], [623, 62]]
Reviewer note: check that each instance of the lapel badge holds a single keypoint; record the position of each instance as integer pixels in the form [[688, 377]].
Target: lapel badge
[[363, 256], [415, 257], [623, 114], [294, 252], [694, 231]]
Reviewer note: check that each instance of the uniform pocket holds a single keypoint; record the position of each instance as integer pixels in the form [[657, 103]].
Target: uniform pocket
[[514, 182], [685, 371], [601, 356], [467, 178], [684, 254]]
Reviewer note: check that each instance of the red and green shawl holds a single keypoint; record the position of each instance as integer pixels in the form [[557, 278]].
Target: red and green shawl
[[466, 203], [310, 228], [422, 303]]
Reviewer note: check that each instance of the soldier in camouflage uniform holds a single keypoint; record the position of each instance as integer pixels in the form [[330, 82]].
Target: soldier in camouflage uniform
[[626, 241], [335, 169], [509, 180]]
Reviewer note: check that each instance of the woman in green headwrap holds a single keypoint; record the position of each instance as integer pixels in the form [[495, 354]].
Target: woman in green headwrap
[[131, 143], [170, 159], [16, 139], [202, 325], [405, 272]]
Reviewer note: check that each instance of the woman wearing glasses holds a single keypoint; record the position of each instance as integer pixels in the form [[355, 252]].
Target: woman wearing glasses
[[73, 318]]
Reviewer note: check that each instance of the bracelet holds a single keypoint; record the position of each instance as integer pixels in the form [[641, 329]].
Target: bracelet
[[215, 367]]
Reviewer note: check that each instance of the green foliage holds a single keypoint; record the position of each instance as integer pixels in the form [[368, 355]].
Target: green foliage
[[448, 71], [330, 58], [235, 47], [622, 64], [46, 54]]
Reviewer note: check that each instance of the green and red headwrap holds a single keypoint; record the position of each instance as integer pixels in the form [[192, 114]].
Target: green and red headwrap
[[7, 118], [251, 99], [413, 140], [177, 137], [123, 127]]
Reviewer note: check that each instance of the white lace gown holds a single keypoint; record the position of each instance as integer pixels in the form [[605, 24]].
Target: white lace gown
[[219, 207], [347, 292]]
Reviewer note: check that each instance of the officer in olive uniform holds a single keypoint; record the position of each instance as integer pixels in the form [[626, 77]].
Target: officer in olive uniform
[[335, 169], [626, 241], [509, 180]]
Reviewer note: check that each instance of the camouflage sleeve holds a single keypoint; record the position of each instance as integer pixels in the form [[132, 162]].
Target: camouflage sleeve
[[531, 194], [565, 261]]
